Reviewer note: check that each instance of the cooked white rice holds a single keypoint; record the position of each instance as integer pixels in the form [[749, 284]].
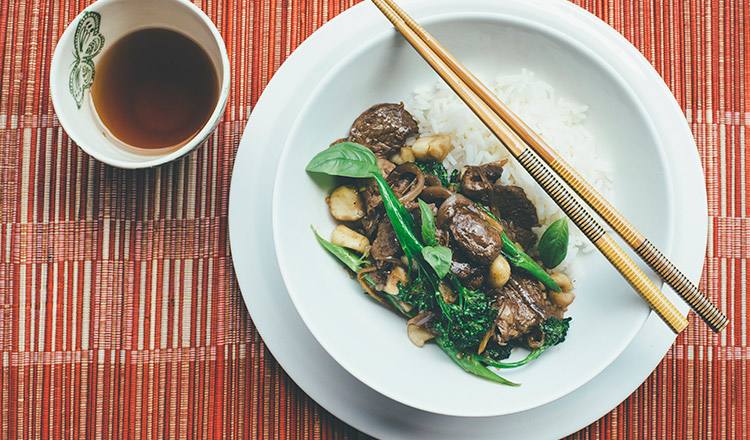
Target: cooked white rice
[[440, 111]]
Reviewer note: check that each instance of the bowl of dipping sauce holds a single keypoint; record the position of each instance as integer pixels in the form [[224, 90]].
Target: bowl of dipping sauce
[[140, 83]]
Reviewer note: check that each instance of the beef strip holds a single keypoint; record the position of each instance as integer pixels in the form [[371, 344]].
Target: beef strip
[[371, 198], [522, 305], [525, 237], [470, 274], [374, 211], [516, 212], [386, 247], [469, 230], [513, 206], [367, 226], [373, 201], [384, 128]]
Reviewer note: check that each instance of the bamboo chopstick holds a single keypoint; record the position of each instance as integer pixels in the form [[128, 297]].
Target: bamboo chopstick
[[702, 306], [478, 104]]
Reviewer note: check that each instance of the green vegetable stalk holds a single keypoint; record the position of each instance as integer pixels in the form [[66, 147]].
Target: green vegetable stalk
[[403, 225], [518, 258], [470, 363]]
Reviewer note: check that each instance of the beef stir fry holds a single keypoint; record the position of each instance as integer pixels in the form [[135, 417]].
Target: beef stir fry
[[447, 251]]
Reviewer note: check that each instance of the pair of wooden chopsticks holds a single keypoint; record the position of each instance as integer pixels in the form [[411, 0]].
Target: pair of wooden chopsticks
[[524, 144]]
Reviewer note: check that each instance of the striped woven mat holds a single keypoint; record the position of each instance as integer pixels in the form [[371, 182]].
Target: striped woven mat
[[119, 312]]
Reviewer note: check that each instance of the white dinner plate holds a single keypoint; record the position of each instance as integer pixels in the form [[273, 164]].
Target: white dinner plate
[[286, 335]]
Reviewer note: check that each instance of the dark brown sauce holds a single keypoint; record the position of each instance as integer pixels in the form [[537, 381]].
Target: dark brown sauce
[[155, 88]]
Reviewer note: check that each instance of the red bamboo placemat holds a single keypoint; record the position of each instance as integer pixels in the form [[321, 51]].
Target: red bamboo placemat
[[119, 312]]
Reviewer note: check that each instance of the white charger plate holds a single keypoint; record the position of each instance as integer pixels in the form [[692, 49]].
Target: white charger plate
[[293, 345]]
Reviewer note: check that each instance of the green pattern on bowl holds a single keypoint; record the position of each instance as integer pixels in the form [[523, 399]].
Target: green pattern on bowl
[[87, 43]]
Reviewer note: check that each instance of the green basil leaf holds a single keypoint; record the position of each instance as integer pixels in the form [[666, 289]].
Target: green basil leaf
[[428, 224], [553, 246], [439, 257], [347, 159]]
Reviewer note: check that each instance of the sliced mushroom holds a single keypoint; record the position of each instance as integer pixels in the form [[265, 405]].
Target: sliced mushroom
[[418, 335], [345, 204], [475, 184], [470, 231], [446, 292], [397, 275], [403, 156], [483, 344], [434, 147], [348, 238]]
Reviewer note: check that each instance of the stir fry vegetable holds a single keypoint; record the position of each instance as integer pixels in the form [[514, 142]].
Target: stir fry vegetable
[[464, 322], [439, 170], [554, 330], [471, 363], [461, 325]]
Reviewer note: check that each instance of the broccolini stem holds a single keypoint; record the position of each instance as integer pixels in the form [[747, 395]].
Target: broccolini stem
[[530, 357], [470, 363], [518, 258]]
